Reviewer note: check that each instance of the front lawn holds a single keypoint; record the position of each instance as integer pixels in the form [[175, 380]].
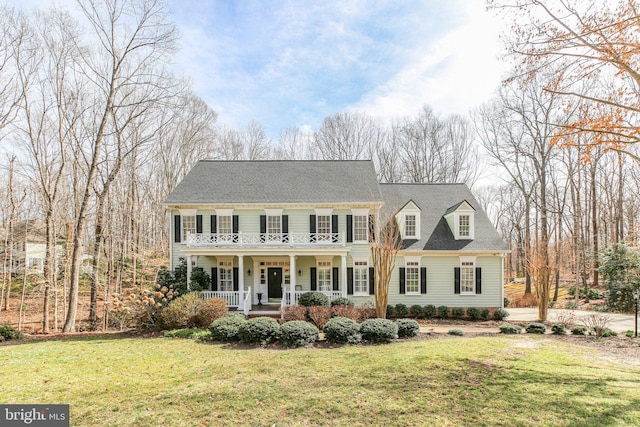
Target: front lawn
[[448, 381]]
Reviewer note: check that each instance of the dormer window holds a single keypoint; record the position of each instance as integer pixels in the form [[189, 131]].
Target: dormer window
[[461, 220], [464, 225], [409, 220], [410, 226]]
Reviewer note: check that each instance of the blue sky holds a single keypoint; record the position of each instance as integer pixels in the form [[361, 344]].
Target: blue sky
[[292, 63]]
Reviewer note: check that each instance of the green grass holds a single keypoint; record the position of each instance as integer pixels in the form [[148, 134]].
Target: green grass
[[447, 381]]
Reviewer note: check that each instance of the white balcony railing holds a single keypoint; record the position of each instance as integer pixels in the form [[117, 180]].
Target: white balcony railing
[[203, 240]]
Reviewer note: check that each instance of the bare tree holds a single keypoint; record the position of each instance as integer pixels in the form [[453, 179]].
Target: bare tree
[[384, 242]]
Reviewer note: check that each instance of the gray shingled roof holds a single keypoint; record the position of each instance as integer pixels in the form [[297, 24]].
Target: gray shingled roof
[[279, 181], [436, 200]]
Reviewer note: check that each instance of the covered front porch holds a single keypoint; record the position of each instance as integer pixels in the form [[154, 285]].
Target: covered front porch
[[267, 281]]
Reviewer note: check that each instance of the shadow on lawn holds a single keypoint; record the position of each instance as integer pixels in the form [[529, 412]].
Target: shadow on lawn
[[79, 336]]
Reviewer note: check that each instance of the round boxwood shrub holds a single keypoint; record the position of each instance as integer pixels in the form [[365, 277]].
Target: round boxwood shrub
[[500, 314], [407, 327], [536, 328], [312, 299], [379, 330], [430, 311], [473, 313], [227, 328], [558, 329], [580, 330], [342, 301], [416, 311], [342, 330], [401, 311], [456, 332], [391, 312], [298, 333], [510, 329], [457, 312], [260, 330], [484, 313], [443, 312]]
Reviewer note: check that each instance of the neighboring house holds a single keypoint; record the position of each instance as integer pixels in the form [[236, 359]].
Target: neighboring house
[[270, 230], [29, 244]]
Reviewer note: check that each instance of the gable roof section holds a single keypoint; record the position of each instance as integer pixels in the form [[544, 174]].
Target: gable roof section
[[457, 206], [436, 201], [277, 182]]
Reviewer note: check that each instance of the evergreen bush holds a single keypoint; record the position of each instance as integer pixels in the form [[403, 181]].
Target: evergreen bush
[[260, 330], [341, 330], [298, 333], [227, 328], [407, 328], [313, 299], [379, 330]]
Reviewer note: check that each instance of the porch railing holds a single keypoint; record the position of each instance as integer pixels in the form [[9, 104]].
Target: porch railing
[[296, 296], [203, 240], [232, 297]]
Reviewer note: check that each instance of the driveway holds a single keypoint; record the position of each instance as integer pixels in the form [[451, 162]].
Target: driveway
[[620, 323]]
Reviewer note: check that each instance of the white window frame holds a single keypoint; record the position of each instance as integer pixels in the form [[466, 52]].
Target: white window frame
[[323, 234], [411, 264], [324, 279], [188, 215], [464, 227], [225, 224], [360, 277], [467, 273], [361, 215], [414, 225], [225, 276]]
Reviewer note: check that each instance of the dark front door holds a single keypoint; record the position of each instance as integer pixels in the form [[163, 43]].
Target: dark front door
[[275, 283]]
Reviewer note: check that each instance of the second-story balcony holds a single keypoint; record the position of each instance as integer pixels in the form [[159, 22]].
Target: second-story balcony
[[258, 240]]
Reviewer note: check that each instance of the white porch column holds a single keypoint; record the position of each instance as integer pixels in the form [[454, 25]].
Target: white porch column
[[188, 272], [343, 269], [293, 273], [241, 281]]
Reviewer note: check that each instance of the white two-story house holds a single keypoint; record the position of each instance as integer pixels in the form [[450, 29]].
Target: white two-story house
[[267, 231]]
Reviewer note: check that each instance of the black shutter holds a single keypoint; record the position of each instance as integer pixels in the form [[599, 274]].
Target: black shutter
[[236, 283], [349, 228], [314, 279], [423, 280], [235, 224], [334, 224], [349, 280], [263, 224], [312, 224], [372, 281], [456, 280], [372, 231], [478, 280], [176, 229], [199, 224], [214, 224], [335, 279], [403, 285], [214, 279], [285, 224]]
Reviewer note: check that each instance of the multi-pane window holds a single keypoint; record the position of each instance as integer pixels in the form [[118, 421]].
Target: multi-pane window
[[188, 226], [360, 228], [274, 227], [412, 277], [467, 277], [410, 226], [360, 278], [464, 226], [323, 228], [324, 276], [225, 224], [225, 272]]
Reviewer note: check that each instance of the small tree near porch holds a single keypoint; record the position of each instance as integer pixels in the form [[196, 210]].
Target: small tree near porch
[[385, 242]]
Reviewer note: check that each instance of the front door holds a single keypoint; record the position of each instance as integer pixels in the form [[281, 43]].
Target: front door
[[275, 284]]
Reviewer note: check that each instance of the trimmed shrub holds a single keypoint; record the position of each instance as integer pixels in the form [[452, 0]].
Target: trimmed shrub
[[295, 312], [391, 312], [260, 330], [379, 330], [558, 329], [313, 299], [510, 329], [536, 328], [416, 311], [580, 330], [227, 328], [473, 313], [182, 312], [456, 332], [8, 332], [485, 313], [443, 312], [507, 301], [210, 310], [500, 314], [320, 315], [191, 333], [401, 311], [407, 328], [430, 311], [298, 333], [457, 312], [341, 330], [342, 301]]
